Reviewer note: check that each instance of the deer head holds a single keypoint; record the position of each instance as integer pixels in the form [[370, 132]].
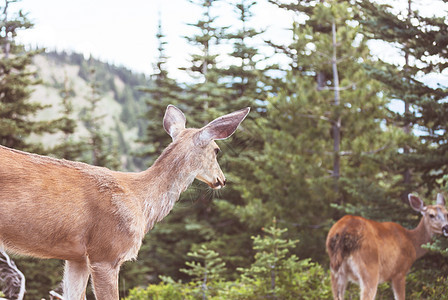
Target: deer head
[[435, 217], [197, 147]]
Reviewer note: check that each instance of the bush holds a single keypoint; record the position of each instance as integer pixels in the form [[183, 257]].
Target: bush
[[275, 274]]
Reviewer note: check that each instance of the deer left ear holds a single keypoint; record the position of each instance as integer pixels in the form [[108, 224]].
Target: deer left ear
[[440, 199], [173, 121], [221, 128], [416, 203]]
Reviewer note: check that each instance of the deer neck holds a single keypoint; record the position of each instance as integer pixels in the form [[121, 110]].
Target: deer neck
[[420, 235], [165, 180]]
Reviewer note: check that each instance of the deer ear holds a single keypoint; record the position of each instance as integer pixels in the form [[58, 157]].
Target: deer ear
[[440, 199], [173, 121], [221, 128], [416, 203]]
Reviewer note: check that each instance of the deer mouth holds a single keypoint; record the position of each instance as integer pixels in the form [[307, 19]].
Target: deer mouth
[[445, 230], [218, 184]]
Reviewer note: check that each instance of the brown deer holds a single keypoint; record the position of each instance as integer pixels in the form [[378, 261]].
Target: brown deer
[[368, 252], [95, 218]]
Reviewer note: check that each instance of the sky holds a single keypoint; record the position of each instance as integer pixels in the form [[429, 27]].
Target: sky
[[124, 32]]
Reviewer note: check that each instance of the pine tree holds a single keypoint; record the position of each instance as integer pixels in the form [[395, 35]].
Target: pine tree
[[190, 221], [68, 148], [421, 41], [164, 91], [17, 112], [101, 150], [296, 173], [206, 270]]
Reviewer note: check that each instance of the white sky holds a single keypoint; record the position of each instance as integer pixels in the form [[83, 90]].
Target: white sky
[[123, 32]]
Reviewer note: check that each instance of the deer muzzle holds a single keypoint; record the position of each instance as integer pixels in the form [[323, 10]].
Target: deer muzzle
[[219, 183], [445, 230]]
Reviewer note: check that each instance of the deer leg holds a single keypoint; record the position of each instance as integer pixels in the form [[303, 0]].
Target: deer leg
[[368, 285], [339, 283], [399, 287], [76, 276], [105, 280]]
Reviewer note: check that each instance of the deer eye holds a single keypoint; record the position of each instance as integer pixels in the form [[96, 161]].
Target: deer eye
[[432, 216], [217, 151]]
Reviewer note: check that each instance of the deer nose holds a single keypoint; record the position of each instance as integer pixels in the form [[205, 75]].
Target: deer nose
[[220, 183], [445, 230]]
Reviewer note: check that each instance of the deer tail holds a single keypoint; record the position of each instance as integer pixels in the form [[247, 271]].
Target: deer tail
[[342, 242]]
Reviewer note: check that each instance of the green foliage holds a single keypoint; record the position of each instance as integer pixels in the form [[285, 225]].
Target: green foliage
[[424, 284], [292, 278], [281, 161], [205, 271], [277, 274], [17, 80], [102, 150]]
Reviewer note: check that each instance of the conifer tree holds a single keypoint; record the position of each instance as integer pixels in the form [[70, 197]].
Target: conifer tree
[[206, 270], [164, 91], [189, 222], [295, 175], [206, 93], [17, 112], [68, 148], [421, 41], [102, 151]]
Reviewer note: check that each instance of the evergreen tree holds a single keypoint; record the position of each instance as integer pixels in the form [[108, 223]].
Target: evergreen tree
[[102, 150], [422, 43], [16, 110], [189, 222], [296, 175], [206, 270], [164, 91], [68, 148]]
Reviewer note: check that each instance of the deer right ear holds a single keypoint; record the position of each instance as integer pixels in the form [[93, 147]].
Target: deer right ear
[[222, 127], [416, 203], [173, 121], [440, 199]]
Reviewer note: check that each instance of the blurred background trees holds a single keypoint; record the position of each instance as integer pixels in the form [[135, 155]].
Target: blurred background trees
[[334, 129]]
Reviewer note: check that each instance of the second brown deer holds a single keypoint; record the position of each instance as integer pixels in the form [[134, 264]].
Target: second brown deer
[[368, 252], [95, 218]]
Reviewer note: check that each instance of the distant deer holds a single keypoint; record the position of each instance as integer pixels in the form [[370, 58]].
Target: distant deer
[[95, 218], [369, 252]]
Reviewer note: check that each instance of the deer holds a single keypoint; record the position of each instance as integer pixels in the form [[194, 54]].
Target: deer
[[95, 218], [367, 252]]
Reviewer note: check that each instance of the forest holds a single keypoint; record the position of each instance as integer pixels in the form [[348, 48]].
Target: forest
[[333, 130]]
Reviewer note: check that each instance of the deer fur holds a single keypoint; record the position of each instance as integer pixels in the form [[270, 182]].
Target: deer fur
[[95, 218], [368, 252]]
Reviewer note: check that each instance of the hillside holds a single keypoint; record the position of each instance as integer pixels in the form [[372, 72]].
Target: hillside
[[122, 104]]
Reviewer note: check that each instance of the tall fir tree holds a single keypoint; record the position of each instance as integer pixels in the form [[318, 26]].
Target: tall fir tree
[[295, 175], [17, 112], [156, 254], [202, 217], [248, 85], [422, 42], [165, 91], [188, 223], [101, 149], [68, 147]]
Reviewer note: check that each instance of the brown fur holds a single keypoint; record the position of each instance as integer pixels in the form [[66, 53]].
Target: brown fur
[[95, 218], [369, 252]]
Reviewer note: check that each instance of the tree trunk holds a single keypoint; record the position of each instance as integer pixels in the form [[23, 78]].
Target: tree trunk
[[337, 118]]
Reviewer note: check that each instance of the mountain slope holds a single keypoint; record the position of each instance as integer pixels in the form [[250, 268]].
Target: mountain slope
[[121, 104]]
